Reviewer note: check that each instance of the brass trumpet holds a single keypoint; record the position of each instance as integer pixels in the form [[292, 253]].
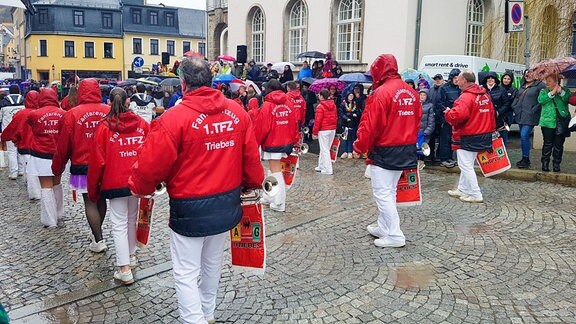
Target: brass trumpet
[[504, 128], [425, 149], [270, 186], [306, 130], [304, 148], [160, 189]]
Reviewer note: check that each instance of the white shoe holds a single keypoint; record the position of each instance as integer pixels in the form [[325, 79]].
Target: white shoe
[[13, 176], [133, 261], [344, 155], [126, 277], [471, 199], [387, 242], [350, 155], [421, 165], [21, 173], [317, 169], [211, 320], [277, 208], [98, 247], [455, 193], [326, 172], [374, 230]]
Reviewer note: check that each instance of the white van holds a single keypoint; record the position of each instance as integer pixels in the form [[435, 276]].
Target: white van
[[443, 64]]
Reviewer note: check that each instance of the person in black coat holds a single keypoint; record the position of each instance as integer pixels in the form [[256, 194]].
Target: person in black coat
[[449, 92], [287, 75], [497, 93], [507, 81], [311, 100]]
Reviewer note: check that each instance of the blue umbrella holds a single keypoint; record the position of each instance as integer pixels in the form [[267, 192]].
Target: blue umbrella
[[570, 72], [222, 78], [355, 77]]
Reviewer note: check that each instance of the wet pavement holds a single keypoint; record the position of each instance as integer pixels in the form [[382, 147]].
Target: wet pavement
[[509, 260]]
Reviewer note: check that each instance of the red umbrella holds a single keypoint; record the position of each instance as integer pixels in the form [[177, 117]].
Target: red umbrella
[[227, 58], [193, 54], [551, 66]]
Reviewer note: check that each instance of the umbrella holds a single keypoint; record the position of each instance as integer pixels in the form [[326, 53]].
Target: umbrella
[[193, 54], [308, 81], [551, 66], [415, 75], [327, 83], [171, 82], [222, 78], [236, 84], [154, 79], [279, 67], [227, 58], [570, 72], [250, 83], [146, 81], [311, 54], [355, 78], [13, 3]]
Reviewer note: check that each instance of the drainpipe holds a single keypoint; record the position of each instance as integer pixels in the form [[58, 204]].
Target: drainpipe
[[417, 41]]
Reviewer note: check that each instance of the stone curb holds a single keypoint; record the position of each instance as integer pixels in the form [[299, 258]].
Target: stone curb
[[566, 179]]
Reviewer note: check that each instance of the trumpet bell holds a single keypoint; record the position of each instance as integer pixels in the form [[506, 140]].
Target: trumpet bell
[[270, 186], [306, 130], [160, 189], [425, 149], [504, 128], [304, 148]]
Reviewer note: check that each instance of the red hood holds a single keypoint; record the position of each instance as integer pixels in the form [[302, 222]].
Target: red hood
[[475, 89], [384, 67], [206, 100], [89, 92], [48, 97], [293, 94], [129, 121], [277, 97], [31, 100], [329, 105]]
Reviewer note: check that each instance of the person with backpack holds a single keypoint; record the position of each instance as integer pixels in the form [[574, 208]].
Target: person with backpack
[[9, 106]]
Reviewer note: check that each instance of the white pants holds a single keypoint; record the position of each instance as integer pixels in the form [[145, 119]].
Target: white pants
[[468, 183], [15, 160], [32, 182], [384, 183], [325, 139], [194, 257], [123, 215]]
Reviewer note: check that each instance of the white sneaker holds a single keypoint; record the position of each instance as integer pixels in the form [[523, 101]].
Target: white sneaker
[[98, 247], [277, 208], [350, 155], [471, 199], [211, 320], [374, 230], [317, 169], [387, 242], [133, 261], [13, 176], [455, 193], [126, 277], [344, 155], [326, 172], [21, 173], [421, 165]]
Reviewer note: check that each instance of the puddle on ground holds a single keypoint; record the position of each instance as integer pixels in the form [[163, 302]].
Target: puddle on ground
[[412, 276], [61, 315]]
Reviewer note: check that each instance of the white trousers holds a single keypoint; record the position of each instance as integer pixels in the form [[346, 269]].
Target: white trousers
[[279, 200], [384, 183], [32, 182], [325, 139], [468, 183], [48, 213], [123, 215], [15, 160], [194, 257]]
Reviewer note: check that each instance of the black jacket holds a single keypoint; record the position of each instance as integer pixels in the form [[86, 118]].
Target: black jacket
[[449, 92]]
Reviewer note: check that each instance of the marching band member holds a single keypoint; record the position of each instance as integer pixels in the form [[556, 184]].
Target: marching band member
[[473, 122], [10, 105], [113, 153], [74, 144], [388, 131], [298, 102], [276, 132], [45, 123], [325, 122], [19, 132], [143, 104], [205, 150]]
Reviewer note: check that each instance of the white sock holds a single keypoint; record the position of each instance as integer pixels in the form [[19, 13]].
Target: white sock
[[59, 195], [49, 203], [33, 185], [279, 199]]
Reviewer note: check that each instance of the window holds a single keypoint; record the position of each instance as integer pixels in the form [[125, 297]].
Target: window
[[170, 19], [88, 49], [258, 31], [69, 49], [43, 16], [202, 48], [514, 47], [349, 30], [548, 33], [153, 47], [107, 20], [170, 47], [153, 17], [185, 46], [475, 28], [136, 45], [108, 50], [78, 18], [137, 16], [43, 48], [297, 23]]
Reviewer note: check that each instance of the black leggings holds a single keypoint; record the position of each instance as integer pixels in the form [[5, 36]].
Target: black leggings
[[553, 145], [95, 213]]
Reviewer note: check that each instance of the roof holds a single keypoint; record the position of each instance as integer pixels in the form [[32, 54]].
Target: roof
[[105, 4], [192, 22]]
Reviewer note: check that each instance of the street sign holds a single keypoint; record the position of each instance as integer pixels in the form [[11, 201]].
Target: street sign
[[138, 62], [514, 18]]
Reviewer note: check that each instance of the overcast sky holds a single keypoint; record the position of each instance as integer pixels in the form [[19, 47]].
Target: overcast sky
[[193, 4]]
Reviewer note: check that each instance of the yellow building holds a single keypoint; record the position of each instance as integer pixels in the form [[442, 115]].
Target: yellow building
[[61, 57]]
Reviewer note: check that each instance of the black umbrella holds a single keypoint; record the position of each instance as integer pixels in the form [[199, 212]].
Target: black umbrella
[[312, 54], [308, 81], [172, 82], [570, 72]]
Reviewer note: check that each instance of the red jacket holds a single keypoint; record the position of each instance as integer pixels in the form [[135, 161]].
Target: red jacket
[[65, 103], [572, 99], [45, 124], [326, 117], [78, 128], [18, 131], [390, 122], [472, 120], [277, 128], [253, 109], [299, 105], [112, 155], [205, 150]]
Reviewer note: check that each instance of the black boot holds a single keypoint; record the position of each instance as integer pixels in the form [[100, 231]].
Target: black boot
[[545, 165], [556, 167], [524, 163]]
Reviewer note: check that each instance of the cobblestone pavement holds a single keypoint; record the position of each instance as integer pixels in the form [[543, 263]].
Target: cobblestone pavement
[[509, 260]]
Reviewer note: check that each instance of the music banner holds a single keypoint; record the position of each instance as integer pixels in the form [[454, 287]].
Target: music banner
[[247, 239], [334, 149], [495, 162], [144, 224], [408, 191], [289, 165]]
